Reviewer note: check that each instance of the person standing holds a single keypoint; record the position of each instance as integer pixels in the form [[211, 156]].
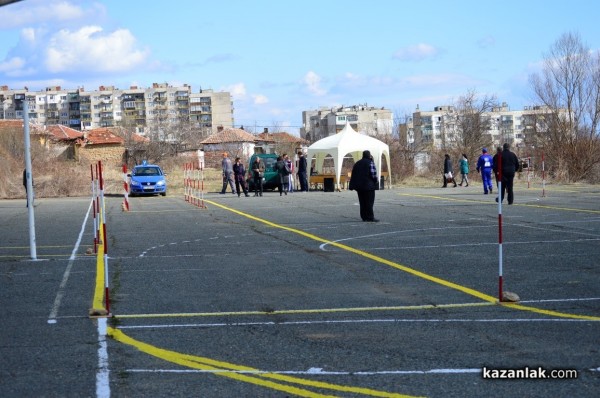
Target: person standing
[[448, 174], [485, 164], [239, 173], [290, 166], [509, 164], [463, 164], [498, 153], [364, 181], [227, 174], [302, 172], [258, 172], [25, 185], [282, 174]]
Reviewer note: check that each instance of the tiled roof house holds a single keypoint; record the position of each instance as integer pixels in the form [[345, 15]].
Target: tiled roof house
[[236, 142], [101, 144]]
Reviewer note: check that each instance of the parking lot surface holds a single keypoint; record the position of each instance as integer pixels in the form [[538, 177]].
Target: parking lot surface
[[296, 296]]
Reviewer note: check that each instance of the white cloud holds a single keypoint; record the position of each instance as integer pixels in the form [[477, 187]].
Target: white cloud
[[260, 99], [238, 90], [313, 84], [90, 49], [12, 64], [417, 52], [52, 11]]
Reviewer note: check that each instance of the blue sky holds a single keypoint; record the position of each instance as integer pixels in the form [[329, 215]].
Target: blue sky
[[278, 58]]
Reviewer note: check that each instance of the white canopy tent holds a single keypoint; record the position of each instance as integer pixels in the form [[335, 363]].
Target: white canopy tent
[[347, 141]]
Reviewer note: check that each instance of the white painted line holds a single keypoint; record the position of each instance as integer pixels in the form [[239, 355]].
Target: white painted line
[[103, 373], [355, 321], [314, 371], [63, 283]]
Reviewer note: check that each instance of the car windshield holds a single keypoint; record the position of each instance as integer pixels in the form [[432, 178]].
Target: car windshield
[[146, 171], [270, 163]]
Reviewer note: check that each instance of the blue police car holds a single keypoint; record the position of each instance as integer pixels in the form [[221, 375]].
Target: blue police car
[[147, 179]]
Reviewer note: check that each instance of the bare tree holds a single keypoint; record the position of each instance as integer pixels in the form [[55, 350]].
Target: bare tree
[[467, 129], [569, 88]]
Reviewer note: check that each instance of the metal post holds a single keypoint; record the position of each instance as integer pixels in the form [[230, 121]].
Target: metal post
[[29, 182]]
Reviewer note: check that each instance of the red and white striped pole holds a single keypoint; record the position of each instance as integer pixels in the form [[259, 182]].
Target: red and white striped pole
[[543, 177], [528, 170], [94, 209], [105, 241], [185, 182], [125, 189], [201, 176], [500, 281]]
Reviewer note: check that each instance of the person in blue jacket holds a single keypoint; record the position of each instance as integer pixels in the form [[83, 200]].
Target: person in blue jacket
[[485, 164]]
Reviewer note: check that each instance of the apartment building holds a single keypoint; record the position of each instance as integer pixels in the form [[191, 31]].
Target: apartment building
[[136, 108], [323, 122], [439, 128]]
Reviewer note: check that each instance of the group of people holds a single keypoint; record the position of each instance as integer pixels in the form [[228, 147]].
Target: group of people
[[504, 164], [364, 180], [234, 175]]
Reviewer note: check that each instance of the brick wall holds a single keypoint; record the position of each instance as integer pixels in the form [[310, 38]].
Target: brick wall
[[109, 154]]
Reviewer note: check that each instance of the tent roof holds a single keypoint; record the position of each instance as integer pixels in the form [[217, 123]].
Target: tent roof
[[348, 141]]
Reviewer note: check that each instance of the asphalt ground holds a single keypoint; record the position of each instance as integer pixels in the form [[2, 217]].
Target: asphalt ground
[[296, 296]]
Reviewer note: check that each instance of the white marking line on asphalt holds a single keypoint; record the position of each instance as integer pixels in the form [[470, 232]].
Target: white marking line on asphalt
[[314, 371], [102, 375], [355, 321], [63, 283]]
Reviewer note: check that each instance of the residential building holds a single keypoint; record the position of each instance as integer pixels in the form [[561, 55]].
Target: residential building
[[323, 122], [439, 128], [141, 109]]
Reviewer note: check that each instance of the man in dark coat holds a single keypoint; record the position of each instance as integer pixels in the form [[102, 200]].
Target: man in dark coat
[[448, 171], [510, 165], [364, 182], [302, 172]]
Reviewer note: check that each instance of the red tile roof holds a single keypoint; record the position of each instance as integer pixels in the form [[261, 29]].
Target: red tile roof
[[63, 133], [102, 135], [229, 135], [282, 137]]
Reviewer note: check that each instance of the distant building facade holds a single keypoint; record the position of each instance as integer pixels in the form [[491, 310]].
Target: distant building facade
[[135, 108], [438, 128], [323, 122]]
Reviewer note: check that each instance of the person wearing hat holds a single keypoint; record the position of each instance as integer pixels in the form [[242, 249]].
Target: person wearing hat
[[485, 164], [364, 181], [227, 174]]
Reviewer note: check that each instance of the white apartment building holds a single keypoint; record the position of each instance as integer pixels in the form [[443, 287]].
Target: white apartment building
[[439, 127], [323, 122], [108, 106]]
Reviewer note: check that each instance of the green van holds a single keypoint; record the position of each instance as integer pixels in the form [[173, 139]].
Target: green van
[[270, 178]]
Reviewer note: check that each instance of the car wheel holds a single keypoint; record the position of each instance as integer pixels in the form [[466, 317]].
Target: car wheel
[[163, 193]]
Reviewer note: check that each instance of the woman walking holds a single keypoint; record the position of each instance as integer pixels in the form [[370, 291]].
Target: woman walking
[[463, 164]]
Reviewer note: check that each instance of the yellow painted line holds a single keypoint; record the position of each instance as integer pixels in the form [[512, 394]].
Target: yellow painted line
[[431, 278], [305, 311], [203, 363], [496, 204], [97, 301]]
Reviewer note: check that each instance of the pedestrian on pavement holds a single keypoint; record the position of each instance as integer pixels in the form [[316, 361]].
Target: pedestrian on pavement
[[485, 164], [239, 173], [282, 174], [258, 172], [463, 164], [448, 174], [302, 172], [364, 181], [509, 165], [227, 174]]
